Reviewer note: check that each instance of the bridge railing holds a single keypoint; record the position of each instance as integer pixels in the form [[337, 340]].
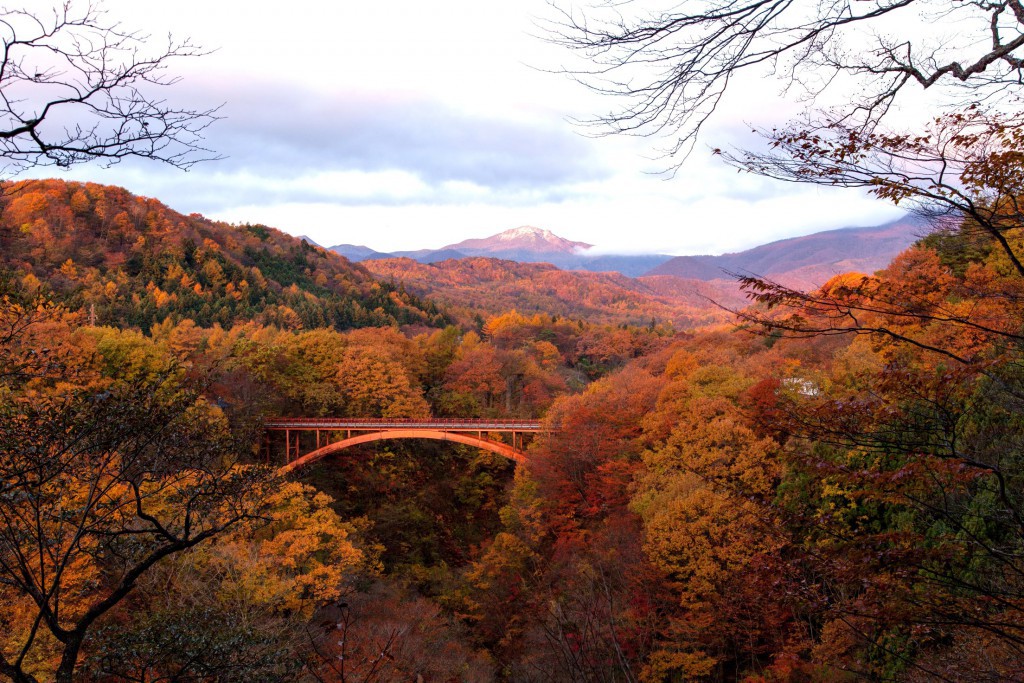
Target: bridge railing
[[384, 423]]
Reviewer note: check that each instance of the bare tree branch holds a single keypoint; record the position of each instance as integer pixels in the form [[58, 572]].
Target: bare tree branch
[[671, 68], [77, 87]]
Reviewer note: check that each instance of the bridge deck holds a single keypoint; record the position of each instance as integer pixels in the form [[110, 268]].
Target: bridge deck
[[375, 424]]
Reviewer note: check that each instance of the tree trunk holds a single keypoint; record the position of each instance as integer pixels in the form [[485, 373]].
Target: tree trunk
[[66, 670]]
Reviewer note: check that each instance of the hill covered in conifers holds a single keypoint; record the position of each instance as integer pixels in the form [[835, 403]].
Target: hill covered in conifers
[[132, 261]]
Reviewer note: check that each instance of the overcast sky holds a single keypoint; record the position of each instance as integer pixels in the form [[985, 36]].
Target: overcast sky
[[408, 124]]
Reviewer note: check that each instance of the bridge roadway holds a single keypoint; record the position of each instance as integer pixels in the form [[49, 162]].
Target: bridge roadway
[[365, 430]]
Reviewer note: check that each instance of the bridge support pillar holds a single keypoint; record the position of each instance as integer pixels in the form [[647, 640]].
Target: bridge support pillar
[[293, 448]]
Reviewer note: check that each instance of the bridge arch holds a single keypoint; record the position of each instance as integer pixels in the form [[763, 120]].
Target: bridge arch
[[437, 435]]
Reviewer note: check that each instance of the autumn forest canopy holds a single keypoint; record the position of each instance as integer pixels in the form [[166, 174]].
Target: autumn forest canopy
[[823, 484]]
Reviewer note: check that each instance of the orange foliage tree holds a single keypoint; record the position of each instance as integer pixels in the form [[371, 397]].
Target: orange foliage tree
[[894, 465], [102, 479]]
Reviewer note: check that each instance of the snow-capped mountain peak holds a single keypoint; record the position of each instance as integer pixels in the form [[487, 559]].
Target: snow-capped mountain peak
[[527, 231], [525, 238]]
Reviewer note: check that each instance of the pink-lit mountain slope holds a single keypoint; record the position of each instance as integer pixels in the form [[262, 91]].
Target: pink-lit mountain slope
[[808, 261], [518, 244]]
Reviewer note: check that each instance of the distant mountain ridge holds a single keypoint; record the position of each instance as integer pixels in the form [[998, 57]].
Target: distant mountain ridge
[[804, 261], [356, 252], [525, 244], [807, 261]]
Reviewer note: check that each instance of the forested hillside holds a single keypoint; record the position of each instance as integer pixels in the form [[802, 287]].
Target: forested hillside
[[753, 507], [831, 491], [99, 406], [825, 485], [471, 286], [131, 261]]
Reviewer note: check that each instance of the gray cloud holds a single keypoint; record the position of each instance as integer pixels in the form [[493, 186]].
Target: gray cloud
[[284, 129], [211, 193], [274, 134]]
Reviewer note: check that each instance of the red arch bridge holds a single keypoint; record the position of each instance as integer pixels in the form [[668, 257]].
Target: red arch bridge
[[321, 436]]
